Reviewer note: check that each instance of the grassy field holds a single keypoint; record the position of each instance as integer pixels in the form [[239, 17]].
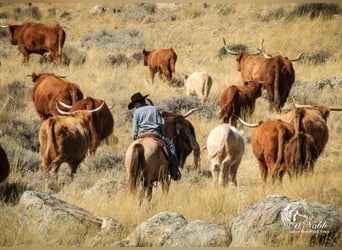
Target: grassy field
[[195, 31]]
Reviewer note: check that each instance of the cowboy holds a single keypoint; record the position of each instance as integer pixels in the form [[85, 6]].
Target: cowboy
[[147, 119]]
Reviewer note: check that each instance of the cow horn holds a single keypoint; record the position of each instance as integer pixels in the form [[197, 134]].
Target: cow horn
[[190, 112], [309, 106], [254, 125], [302, 105], [228, 50], [298, 57], [4, 26], [261, 49], [98, 108], [64, 105], [61, 111], [69, 113], [335, 109]]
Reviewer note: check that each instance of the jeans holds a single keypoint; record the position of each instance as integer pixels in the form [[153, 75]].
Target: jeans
[[173, 161]]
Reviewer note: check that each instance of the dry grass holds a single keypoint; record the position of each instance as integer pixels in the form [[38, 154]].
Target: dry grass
[[196, 35]]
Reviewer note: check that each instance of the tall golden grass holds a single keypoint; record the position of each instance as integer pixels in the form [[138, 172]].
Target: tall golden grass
[[196, 35]]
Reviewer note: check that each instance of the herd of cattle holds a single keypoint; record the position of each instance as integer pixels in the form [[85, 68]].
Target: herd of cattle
[[73, 126]]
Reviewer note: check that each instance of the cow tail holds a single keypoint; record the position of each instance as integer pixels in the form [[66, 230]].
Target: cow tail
[[301, 151], [280, 152], [94, 137], [207, 87], [137, 166], [173, 60], [49, 142], [276, 100], [61, 40], [228, 105]]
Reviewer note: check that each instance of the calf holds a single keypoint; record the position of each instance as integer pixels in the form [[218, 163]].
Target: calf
[[234, 99], [162, 61], [198, 83]]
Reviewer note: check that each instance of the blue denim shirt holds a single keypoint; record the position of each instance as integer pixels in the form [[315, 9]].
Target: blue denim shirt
[[146, 118]]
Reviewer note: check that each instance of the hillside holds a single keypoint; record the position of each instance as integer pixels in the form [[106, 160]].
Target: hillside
[[103, 55]]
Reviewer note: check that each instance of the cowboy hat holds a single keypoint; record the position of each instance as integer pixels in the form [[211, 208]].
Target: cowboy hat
[[136, 98]]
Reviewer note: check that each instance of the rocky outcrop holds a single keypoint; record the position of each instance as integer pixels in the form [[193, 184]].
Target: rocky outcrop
[[275, 221], [278, 220], [53, 222], [199, 233], [154, 231]]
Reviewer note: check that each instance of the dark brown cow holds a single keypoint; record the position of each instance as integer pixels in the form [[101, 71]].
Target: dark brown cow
[[276, 72], [103, 119], [4, 165], [162, 61], [235, 99], [67, 139], [40, 39], [49, 88], [182, 133]]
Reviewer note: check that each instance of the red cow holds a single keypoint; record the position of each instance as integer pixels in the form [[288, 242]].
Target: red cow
[[162, 61], [49, 88], [235, 99], [40, 39]]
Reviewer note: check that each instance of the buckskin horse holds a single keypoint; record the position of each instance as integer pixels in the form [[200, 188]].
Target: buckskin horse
[[146, 162]]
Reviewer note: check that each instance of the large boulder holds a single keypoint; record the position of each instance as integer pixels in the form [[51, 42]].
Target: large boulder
[[280, 221], [52, 222], [154, 231], [199, 233]]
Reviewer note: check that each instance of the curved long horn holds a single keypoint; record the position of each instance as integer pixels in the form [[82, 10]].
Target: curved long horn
[[228, 50], [4, 26], [309, 106], [251, 125], [61, 111], [261, 49], [335, 109], [69, 113], [298, 57], [190, 112], [64, 105], [302, 105], [98, 108]]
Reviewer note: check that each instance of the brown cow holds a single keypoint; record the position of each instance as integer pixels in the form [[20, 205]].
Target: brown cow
[[103, 119], [236, 98], [313, 122], [67, 139], [4, 165], [49, 88], [40, 39], [277, 73], [182, 133], [162, 61], [281, 147]]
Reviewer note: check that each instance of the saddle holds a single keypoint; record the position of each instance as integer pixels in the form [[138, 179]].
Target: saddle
[[160, 142]]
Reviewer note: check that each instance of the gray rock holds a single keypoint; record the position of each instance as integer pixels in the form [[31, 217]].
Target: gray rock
[[52, 221], [199, 233], [279, 220], [154, 231]]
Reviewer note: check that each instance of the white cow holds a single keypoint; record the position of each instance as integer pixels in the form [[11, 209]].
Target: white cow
[[225, 148], [198, 83]]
